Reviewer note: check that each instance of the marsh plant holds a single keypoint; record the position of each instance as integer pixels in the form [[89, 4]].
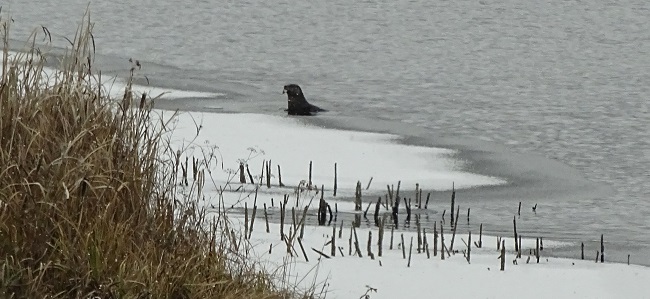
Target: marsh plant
[[89, 205]]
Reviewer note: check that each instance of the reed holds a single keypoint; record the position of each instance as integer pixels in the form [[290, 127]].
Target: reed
[[88, 193]]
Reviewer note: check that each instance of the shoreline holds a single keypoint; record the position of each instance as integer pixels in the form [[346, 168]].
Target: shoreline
[[495, 211]]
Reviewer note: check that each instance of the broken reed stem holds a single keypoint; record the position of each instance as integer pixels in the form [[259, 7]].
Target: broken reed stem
[[369, 182], [417, 196], [410, 252], [365, 213], [442, 240], [268, 174], [356, 242], [245, 220], [536, 250], [514, 224], [380, 238], [602, 248], [335, 179], [519, 252], [321, 253], [303, 220], [417, 224], [503, 255], [519, 209], [453, 236], [280, 177], [453, 199], [242, 175], [309, 185], [250, 176], [250, 230], [341, 230], [403, 248], [357, 197], [582, 250], [370, 254], [392, 230], [426, 204], [282, 209], [262, 173], [435, 240], [469, 247], [350, 240], [377, 207], [333, 250], [266, 218], [303, 249], [426, 244]]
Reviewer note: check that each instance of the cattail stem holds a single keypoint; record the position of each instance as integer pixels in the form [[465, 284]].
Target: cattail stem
[[309, 185], [266, 219], [335, 178], [333, 250], [242, 175], [280, 177], [403, 247], [514, 223], [410, 252]]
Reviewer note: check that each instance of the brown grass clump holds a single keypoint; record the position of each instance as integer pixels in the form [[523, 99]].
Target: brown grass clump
[[88, 205]]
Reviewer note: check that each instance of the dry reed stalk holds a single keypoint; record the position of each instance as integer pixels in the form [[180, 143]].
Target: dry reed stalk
[[503, 255], [435, 239], [106, 181], [602, 248], [537, 250], [357, 197], [250, 176], [442, 240], [469, 247], [280, 177], [380, 239], [403, 247], [453, 236], [309, 184], [266, 219], [370, 254], [410, 252], [514, 224], [335, 179], [426, 204], [333, 242], [417, 195], [356, 242], [453, 199]]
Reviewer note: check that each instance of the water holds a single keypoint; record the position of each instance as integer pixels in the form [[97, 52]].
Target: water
[[553, 95]]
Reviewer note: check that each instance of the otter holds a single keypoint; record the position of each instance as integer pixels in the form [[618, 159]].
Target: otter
[[297, 104]]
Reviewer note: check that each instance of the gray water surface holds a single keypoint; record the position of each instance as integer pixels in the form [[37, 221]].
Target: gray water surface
[[553, 95]]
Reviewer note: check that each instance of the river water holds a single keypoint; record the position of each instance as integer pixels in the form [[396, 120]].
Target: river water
[[553, 96]]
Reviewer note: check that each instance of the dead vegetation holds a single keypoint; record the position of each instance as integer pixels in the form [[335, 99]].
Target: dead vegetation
[[89, 205]]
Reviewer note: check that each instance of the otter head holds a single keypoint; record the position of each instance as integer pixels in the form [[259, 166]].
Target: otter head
[[292, 90]]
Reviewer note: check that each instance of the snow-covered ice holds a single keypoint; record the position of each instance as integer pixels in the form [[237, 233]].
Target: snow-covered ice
[[292, 144]]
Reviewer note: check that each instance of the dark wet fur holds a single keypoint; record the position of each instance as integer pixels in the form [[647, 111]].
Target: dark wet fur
[[297, 104]]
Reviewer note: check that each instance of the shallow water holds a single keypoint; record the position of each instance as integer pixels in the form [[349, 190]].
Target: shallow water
[[524, 89]]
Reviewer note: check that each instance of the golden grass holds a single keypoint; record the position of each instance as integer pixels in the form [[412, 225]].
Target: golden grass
[[88, 208]]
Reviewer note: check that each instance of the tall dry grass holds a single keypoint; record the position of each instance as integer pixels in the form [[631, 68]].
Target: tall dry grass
[[88, 205]]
